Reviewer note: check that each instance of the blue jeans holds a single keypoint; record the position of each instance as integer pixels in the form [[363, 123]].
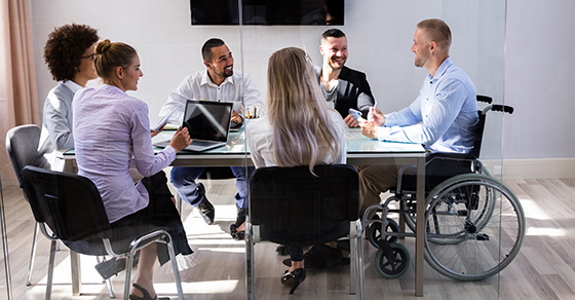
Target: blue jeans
[[184, 180]]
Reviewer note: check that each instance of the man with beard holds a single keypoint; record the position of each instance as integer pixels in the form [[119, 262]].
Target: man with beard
[[342, 87], [218, 83], [441, 118]]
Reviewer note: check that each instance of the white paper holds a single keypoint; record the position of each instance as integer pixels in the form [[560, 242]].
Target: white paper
[[162, 122]]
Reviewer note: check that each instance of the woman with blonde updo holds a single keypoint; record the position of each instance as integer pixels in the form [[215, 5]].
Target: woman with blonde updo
[[111, 128]]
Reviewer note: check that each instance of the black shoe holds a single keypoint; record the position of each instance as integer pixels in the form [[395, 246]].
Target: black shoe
[[321, 256], [240, 219], [207, 210], [293, 278], [109, 268]]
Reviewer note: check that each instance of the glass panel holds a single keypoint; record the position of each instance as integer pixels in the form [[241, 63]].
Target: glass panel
[[379, 38], [4, 263]]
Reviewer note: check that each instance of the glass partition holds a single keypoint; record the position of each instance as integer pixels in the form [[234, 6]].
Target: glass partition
[[379, 37], [5, 283]]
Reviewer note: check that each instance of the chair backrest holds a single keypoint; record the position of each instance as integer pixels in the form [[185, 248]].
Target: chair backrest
[[69, 204], [441, 166], [480, 126], [295, 202], [22, 147]]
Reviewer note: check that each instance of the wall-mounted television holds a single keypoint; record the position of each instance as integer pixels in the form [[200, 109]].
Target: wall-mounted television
[[267, 12]]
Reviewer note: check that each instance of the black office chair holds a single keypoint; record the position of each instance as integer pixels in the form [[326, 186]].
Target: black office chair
[[288, 202], [71, 208], [21, 144]]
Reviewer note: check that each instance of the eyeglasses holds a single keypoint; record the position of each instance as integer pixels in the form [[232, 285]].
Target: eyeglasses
[[91, 56]]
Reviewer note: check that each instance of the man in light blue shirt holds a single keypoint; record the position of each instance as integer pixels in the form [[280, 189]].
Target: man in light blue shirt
[[441, 117]]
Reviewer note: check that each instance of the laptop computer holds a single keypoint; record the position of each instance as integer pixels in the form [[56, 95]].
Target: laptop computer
[[208, 124]]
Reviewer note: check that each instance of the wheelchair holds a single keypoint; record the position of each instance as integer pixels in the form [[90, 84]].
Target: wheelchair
[[474, 224]]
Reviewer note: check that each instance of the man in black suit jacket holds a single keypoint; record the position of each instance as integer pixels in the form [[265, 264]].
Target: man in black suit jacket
[[342, 87]]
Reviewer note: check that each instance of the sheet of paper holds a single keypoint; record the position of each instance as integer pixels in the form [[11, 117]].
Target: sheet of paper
[[162, 122]]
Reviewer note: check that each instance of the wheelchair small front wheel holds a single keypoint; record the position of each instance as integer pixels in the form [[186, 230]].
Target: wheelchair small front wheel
[[394, 267], [374, 232]]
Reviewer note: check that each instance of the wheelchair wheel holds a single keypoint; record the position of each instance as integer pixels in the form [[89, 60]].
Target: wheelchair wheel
[[397, 267], [374, 232], [409, 205], [473, 228]]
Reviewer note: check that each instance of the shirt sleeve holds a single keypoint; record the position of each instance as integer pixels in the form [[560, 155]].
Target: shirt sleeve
[[251, 95], [365, 100], [412, 125], [255, 154], [147, 163], [56, 121], [177, 101]]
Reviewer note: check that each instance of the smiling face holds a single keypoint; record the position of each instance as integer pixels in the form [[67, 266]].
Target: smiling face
[[334, 52], [221, 65], [130, 75], [421, 48]]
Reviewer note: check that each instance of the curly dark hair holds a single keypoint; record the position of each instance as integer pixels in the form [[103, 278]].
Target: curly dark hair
[[65, 47]]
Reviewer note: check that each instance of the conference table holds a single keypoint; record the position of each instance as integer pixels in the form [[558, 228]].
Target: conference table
[[360, 151]]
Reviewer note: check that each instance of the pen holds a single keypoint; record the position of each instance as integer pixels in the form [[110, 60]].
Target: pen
[[370, 117]]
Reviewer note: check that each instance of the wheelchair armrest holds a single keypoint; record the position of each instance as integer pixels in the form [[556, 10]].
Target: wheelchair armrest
[[398, 187], [448, 156]]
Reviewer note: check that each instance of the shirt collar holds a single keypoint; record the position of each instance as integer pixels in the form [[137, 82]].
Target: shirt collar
[[206, 79], [74, 87], [441, 70]]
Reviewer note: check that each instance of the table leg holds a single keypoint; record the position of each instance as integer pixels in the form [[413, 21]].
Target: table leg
[[419, 228]]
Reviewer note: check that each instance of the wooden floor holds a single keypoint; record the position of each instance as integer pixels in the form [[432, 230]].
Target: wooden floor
[[544, 269]]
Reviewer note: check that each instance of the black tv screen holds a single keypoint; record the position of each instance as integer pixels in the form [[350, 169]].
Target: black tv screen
[[267, 12]]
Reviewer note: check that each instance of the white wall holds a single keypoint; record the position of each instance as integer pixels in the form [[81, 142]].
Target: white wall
[[380, 33], [540, 79]]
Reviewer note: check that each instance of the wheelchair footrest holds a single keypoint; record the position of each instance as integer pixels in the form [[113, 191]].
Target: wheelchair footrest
[[482, 237]]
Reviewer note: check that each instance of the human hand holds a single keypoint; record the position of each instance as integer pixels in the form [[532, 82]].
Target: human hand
[[154, 133], [351, 121], [181, 139], [376, 116], [236, 118], [368, 129]]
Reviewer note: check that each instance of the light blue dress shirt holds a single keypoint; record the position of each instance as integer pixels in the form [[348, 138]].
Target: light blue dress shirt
[[442, 116]]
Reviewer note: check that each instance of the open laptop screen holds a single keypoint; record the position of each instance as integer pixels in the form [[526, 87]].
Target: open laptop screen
[[207, 120]]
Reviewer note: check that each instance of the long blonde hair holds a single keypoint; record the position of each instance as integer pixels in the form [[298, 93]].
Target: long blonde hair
[[298, 112]]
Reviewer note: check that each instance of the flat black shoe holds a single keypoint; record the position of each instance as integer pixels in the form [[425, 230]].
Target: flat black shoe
[[109, 268], [207, 210], [293, 279]]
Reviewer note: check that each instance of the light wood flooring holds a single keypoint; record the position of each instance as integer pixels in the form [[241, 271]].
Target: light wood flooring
[[544, 268]]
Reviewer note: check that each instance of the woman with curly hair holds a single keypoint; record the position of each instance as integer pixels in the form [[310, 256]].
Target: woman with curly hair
[[69, 54]]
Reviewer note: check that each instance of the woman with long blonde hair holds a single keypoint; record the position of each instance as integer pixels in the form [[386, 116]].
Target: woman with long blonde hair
[[298, 130]]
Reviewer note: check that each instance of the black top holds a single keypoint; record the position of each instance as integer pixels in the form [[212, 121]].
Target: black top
[[352, 91]]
